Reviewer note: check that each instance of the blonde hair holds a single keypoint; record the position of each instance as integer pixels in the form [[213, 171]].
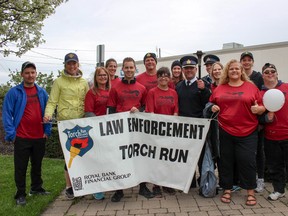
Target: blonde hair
[[95, 88], [224, 79], [212, 68]]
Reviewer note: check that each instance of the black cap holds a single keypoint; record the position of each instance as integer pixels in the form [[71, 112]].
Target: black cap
[[188, 61], [150, 55], [26, 65], [246, 54], [211, 59], [71, 57], [268, 65], [176, 63]]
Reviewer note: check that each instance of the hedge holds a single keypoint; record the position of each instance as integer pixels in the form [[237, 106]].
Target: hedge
[[53, 147]]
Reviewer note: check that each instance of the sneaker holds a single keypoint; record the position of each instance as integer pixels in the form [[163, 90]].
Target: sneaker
[[144, 191], [39, 192], [275, 196], [157, 191], [117, 196], [69, 193], [169, 191], [21, 201], [235, 188], [260, 186], [99, 196]]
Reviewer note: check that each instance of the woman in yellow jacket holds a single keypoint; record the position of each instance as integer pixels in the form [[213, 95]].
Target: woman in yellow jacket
[[68, 95]]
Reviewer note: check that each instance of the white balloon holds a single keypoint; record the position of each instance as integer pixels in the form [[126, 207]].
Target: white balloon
[[273, 100]]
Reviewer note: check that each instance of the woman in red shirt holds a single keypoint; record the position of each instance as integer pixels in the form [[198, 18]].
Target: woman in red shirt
[[111, 66], [162, 100], [276, 134], [236, 99], [96, 101], [97, 97]]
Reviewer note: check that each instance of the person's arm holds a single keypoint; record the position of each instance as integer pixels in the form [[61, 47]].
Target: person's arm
[[143, 101], [149, 108], [47, 127], [207, 112], [205, 91], [89, 104], [8, 116], [266, 117], [52, 102]]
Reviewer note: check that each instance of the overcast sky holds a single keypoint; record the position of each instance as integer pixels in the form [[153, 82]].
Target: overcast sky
[[135, 27]]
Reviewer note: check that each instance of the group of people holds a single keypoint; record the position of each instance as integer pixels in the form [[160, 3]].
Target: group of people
[[232, 93]]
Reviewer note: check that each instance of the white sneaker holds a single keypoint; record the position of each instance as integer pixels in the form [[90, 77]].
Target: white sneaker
[[275, 195], [260, 185]]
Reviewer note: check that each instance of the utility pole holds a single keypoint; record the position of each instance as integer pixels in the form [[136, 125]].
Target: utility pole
[[100, 55]]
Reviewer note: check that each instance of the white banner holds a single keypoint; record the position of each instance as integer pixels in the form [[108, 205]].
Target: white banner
[[121, 150]]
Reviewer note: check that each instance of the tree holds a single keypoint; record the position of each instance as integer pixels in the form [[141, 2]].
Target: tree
[[21, 23], [44, 80]]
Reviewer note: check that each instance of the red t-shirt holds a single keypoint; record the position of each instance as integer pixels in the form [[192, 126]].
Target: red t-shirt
[[115, 81], [149, 81], [235, 116], [96, 103], [162, 102], [125, 96], [30, 125], [278, 129]]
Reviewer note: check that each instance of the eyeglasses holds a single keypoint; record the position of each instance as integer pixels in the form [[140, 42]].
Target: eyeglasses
[[269, 71], [102, 75], [164, 76]]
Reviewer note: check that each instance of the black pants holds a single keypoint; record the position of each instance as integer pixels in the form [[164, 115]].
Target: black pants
[[260, 157], [23, 150], [276, 153], [241, 150]]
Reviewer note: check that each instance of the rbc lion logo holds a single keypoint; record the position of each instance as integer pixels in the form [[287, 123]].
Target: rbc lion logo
[[79, 142]]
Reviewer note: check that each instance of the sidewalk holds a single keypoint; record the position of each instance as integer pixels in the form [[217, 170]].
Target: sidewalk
[[181, 204]]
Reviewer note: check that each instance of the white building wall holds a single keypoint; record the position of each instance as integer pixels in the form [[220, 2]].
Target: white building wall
[[275, 53]]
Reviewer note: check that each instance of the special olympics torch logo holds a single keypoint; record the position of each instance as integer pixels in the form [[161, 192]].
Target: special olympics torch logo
[[79, 142]]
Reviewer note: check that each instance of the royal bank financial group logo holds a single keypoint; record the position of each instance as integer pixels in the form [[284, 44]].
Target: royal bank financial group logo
[[79, 142]]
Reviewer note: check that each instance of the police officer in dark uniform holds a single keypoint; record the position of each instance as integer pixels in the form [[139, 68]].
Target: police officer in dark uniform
[[209, 60], [193, 94]]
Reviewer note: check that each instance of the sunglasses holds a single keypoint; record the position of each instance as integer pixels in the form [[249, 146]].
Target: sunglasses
[[269, 71]]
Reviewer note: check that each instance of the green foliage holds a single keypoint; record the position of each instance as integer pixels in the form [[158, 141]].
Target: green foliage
[[53, 147], [22, 22], [44, 80], [4, 88], [52, 174]]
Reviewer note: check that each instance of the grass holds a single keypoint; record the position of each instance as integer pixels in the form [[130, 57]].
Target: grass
[[53, 178]]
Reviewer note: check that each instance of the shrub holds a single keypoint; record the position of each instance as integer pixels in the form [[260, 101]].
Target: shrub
[[53, 147]]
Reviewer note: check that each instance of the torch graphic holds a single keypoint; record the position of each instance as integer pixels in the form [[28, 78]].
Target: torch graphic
[[76, 145]]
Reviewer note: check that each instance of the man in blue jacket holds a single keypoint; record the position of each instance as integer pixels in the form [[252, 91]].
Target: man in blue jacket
[[23, 111]]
